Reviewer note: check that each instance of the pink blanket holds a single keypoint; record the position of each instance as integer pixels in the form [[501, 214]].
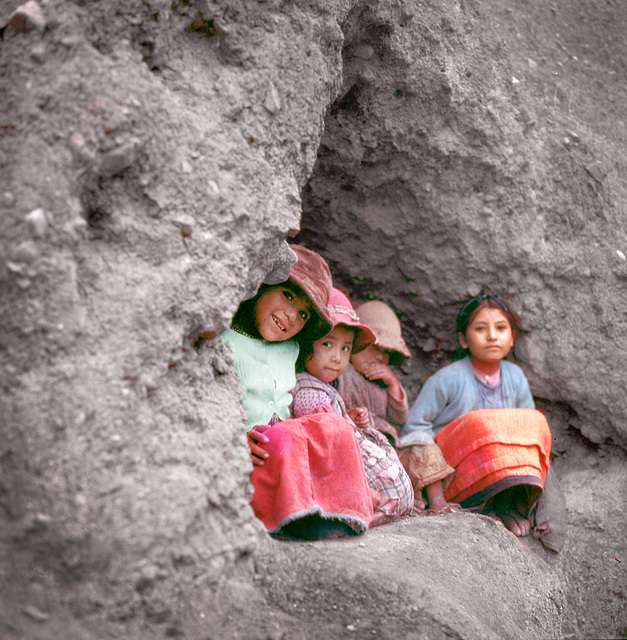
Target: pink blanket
[[314, 467]]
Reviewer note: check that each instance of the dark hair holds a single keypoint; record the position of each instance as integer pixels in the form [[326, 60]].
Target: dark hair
[[472, 306], [307, 349], [244, 318]]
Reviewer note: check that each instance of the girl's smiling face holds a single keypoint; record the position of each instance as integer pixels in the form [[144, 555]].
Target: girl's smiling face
[[281, 313], [331, 354], [488, 336]]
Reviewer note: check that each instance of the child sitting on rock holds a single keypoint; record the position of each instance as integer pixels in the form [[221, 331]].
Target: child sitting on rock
[[369, 380], [320, 364], [308, 475], [481, 413]]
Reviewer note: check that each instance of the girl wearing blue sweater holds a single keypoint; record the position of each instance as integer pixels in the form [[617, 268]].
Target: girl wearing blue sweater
[[481, 413]]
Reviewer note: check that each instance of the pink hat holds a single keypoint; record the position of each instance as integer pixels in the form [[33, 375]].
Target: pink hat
[[342, 312], [312, 275]]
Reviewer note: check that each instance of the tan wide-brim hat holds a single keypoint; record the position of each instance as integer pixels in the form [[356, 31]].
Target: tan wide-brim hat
[[386, 326]]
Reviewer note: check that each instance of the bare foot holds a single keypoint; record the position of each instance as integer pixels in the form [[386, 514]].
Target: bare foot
[[435, 496], [419, 504], [518, 525]]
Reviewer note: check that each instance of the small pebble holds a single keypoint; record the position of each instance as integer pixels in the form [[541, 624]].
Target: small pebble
[[42, 519], [37, 222], [116, 161], [14, 267], [186, 223], [26, 252], [34, 613], [365, 52], [38, 53], [81, 499], [620, 254], [26, 18], [281, 264], [368, 75], [595, 170], [81, 148], [213, 190], [8, 198], [272, 101]]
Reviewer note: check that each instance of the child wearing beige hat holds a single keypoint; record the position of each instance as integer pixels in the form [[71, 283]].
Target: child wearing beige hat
[[370, 381]]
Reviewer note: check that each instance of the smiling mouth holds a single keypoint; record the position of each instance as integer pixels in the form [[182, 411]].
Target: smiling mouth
[[279, 324]]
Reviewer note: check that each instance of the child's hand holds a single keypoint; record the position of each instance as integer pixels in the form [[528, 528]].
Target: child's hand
[[257, 453], [360, 416], [380, 371]]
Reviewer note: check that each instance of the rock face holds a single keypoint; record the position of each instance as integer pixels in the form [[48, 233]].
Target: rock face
[[152, 160], [439, 179], [153, 156]]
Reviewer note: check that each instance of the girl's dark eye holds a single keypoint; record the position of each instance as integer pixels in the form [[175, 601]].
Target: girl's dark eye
[[288, 295], [304, 315]]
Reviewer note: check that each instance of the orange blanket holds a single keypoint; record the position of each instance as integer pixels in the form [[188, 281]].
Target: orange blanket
[[490, 447], [314, 467]]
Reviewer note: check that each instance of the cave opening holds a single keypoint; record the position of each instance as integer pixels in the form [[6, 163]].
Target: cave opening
[[396, 160]]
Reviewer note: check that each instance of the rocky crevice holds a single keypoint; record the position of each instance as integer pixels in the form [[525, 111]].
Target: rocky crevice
[[153, 156]]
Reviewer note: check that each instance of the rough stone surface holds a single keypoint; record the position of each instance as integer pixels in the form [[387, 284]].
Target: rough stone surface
[[167, 146], [444, 179]]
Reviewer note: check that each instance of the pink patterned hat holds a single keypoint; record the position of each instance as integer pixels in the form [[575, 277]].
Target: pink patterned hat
[[342, 312]]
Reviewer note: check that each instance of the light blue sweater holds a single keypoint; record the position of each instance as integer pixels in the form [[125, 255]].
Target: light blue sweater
[[452, 392]]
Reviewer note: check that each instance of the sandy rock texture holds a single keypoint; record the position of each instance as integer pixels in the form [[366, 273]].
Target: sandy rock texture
[[442, 174], [153, 157]]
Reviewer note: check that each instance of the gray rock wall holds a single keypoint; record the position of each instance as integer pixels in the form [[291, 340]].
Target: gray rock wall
[[152, 159], [436, 178]]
